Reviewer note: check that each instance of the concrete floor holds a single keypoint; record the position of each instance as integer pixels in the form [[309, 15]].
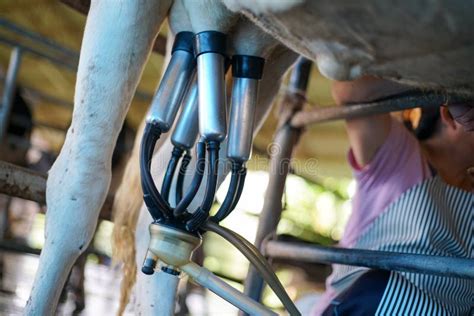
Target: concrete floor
[[102, 287], [102, 291]]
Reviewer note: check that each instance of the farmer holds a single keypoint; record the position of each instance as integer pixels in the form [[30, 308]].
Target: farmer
[[413, 196]]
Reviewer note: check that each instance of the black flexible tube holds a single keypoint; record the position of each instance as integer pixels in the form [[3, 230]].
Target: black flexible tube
[[198, 217], [211, 186], [157, 206], [258, 260], [243, 174], [181, 174], [230, 198], [170, 171], [196, 182]]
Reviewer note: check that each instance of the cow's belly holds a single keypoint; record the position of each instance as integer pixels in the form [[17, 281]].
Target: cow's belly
[[424, 43]]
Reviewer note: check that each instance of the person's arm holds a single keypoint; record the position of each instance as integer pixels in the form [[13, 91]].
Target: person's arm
[[386, 159], [368, 134]]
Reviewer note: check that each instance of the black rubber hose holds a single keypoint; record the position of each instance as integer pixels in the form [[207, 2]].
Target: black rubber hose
[[199, 216], [157, 206], [257, 260], [230, 198], [181, 174], [243, 174], [211, 186], [196, 182], [170, 171]]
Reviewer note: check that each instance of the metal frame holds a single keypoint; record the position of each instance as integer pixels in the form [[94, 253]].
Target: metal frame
[[30, 185], [9, 90], [286, 137], [402, 102], [24, 41], [404, 262], [45, 48], [284, 142]]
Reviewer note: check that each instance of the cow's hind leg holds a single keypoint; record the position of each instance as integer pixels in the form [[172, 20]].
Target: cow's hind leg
[[117, 41]]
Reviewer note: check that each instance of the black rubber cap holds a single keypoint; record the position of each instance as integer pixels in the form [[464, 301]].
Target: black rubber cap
[[149, 266], [210, 42], [198, 218], [177, 224], [183, 41], [245, 66], [170, 271]]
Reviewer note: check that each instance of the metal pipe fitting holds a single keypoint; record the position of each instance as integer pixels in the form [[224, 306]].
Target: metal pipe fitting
[[242, 116], [206, 279], [247, 71], [168, 97], [212, 96], [149, 263], [172, 246], [210, 50], [186, 130]]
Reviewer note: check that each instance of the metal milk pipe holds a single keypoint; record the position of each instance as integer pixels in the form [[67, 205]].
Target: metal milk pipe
[[187, 128], [242, 116], [212, 96], [170, 93]]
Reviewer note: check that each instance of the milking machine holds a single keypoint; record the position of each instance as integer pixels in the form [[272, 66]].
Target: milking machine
[[195, 81], [210, 50], [183, 139], [246, 72], [161, 116]]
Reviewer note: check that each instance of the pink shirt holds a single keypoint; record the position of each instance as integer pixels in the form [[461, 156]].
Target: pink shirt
[[397, 166]]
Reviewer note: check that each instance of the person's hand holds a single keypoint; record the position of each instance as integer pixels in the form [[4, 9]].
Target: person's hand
[[464, 115]]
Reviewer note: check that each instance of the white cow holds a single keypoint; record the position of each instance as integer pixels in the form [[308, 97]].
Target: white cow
[[423, 43]]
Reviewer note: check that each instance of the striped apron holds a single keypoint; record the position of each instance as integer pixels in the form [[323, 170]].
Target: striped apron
[[431, 218]]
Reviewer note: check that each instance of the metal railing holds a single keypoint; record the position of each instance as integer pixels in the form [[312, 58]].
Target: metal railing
[[292, 123], [23, 41]]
